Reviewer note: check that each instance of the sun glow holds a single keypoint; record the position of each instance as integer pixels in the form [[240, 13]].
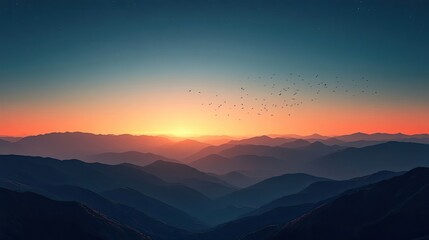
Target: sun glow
[[183, 132]]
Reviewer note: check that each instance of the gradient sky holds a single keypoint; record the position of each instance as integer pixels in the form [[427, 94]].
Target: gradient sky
[[126, 66]]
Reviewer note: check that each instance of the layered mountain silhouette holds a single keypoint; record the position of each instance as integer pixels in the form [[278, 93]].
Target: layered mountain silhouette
[[181, 150], [237, 179], [270, 189], [100, 177], [259, 167], [263, 161], [296, 143], [31, 216], [324, 190], [191, 177], [354, 162], [154, 208], [133, 157], [210, 150], [78, 145], [380, 137], [391, 209], [134, 187], [306, 152], [121, 213], [261, 140], [239, 228]]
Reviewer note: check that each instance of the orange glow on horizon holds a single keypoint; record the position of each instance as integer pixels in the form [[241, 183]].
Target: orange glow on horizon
[[114, 110]]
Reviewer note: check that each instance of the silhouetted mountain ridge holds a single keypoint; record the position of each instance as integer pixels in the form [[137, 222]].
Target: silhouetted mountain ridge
[[270, 189], [191, 177], [392, 209], [31, 216], [133, 157], [354, 162]]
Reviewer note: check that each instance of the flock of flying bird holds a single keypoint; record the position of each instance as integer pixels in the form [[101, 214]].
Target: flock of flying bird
[[278, 96]]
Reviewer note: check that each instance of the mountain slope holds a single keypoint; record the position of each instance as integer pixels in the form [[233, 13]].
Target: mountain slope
[[259, 167], [180, 150], [212, 163], [118, 212], [77, 145], [31, 216], [353, 162], [270, 189], [100, 177], [296, 143], [237, 179], [391, 209], [207, 151], [132, 157], [153, 208], [191, 177], [261, 140], [310, 151], [323, 190], [241, 227]]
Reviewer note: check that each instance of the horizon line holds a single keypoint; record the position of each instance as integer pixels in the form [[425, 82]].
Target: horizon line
[[190, 136]]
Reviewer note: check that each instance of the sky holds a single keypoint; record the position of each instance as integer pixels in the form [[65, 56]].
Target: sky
[[205, 67]]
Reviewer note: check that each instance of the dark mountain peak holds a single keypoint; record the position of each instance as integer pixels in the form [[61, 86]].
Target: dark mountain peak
[[417, 172]]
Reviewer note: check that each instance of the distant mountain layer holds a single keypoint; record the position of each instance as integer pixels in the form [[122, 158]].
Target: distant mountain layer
[[153, 208], [133, 157], [261, 161], [354, 162], [241, 227], [317, 159], [191, 177], [391, 209], [100, 177], [31, 216], [79, 145], [270, 189], [180, 150], [121, 213], [237, 179], [323, 190]]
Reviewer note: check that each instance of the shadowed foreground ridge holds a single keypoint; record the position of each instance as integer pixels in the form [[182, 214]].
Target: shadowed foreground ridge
[[31, 216], [391, 209]]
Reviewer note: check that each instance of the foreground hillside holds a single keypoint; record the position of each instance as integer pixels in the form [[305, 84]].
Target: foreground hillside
[[31, 216], [391, 209]]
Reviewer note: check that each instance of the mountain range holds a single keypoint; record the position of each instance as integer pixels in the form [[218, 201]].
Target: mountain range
[[264, 188], [391, 209], [31, 216]]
